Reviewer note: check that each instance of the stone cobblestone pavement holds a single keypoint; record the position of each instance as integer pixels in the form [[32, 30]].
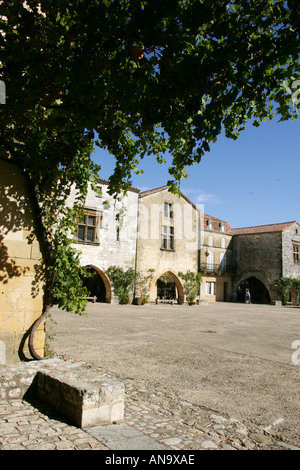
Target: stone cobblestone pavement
[[183, 426], [28, 426], [245, 395], [173, 424]]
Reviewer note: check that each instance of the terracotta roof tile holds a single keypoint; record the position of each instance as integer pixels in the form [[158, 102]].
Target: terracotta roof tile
[[262, 228], [216, 223]]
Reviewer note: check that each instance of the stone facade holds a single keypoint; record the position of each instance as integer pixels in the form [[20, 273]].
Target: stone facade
[[21, 300], [159, 233], [291, 251], [216, 260], [265, 254], [168, 240], [112, 236], [164, 234]]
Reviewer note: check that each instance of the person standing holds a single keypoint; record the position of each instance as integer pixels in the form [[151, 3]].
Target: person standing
[[247, 297]]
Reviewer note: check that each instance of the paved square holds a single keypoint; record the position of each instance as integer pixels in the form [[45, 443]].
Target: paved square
[[236, 359]]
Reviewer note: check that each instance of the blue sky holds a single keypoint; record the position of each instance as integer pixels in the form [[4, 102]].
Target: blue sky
[[254, 180]]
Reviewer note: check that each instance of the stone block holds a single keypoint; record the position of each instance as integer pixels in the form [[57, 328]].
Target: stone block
[[84, 403], [18, 249], [82, 395]]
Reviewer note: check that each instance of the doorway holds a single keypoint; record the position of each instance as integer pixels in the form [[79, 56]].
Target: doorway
[[169, 288], [96, 285], [258, 291], [166, 288]]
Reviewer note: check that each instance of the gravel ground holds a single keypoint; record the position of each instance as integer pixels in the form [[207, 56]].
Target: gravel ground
[[227, 358]]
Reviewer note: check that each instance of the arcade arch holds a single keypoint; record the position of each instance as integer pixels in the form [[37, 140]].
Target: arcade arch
[[168, 286], [258, 290], [98, 284]]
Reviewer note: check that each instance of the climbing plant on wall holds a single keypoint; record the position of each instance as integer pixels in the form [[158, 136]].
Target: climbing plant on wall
[[123, 282], [191, 285], [285, 287]]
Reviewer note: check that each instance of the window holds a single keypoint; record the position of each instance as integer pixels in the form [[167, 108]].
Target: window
[[222, 262], [296, 253], [168, 211], [210, 261], [210, 288], [222, 227], [210, 241], [99, 189], [87, 228], [209, 224], [167, 238], [223, 243]]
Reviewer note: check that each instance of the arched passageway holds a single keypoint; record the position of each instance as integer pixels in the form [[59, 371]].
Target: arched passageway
[[169, 288], [98, 285], [258, 291]]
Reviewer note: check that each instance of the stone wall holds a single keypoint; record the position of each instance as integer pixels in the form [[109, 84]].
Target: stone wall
[[182, 254], [216, 261], [290, 237], [115, 243], [21, 297], [258, 255]]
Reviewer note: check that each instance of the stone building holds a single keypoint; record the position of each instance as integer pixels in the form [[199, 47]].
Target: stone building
[[264, 254], [21, 295], [216, 264], [168, 241], [107, 236], [176, 236], [161, 233]]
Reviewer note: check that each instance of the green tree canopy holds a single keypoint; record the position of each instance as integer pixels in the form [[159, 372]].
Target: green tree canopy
[[143, 77]]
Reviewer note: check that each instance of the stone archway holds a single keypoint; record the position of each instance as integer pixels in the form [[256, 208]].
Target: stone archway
[[168, 286], [258, 290], [98, 285]]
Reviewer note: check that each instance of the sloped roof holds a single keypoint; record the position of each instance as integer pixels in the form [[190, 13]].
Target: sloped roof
[[166, 188], [153, 191], [106, 182], [262, 228]]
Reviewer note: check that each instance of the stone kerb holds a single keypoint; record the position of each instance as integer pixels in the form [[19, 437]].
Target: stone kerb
[[73, 389]]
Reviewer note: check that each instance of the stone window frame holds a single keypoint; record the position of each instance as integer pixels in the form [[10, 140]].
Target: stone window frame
[[223, 261], [210, 288], [100, 189], [209, 224], [296, 253], [210, 260], [168, 210], [167, 238], [89, 228]]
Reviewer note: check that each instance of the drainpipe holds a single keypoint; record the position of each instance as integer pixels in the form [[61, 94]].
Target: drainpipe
[[136, 244]]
